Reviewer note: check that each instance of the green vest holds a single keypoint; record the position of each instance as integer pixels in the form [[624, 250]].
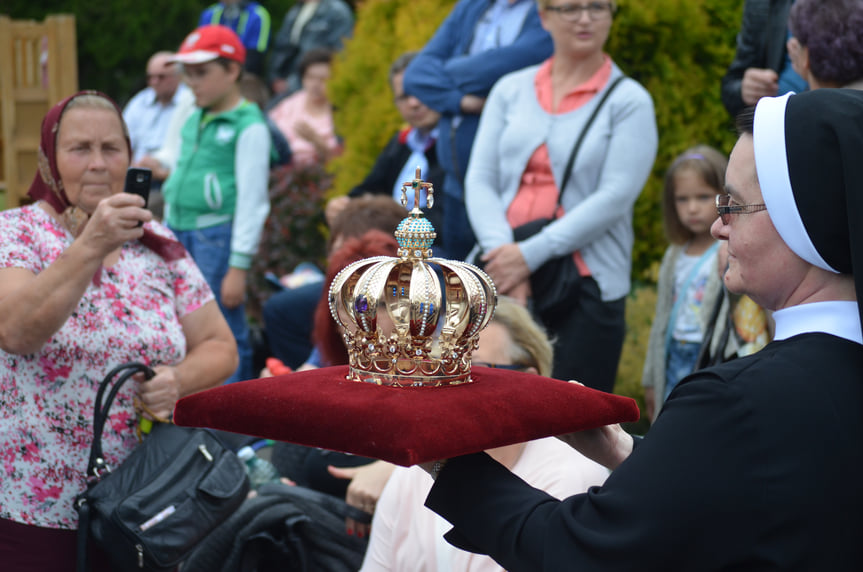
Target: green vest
[[202, 190]]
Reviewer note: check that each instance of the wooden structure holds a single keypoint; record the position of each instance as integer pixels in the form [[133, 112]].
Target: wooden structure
[[38, 67]]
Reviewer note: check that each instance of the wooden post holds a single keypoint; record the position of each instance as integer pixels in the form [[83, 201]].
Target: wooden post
[[38, 68]]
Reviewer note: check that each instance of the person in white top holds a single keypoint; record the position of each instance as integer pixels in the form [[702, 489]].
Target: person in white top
[[406, 536]]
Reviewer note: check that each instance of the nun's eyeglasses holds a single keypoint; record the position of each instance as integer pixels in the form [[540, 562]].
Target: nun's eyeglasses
[[725, 208]]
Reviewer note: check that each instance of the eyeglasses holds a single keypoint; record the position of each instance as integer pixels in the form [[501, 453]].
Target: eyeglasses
[[507, 366], [572, 12], [725, 208]]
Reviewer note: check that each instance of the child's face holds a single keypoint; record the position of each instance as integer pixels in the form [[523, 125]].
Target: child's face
[[212, 84], [694, 201]]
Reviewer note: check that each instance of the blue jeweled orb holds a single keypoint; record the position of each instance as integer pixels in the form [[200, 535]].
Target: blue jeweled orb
[[415, 232]]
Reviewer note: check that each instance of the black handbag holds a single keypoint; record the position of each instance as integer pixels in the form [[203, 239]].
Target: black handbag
[[555, 285], [175, 488]]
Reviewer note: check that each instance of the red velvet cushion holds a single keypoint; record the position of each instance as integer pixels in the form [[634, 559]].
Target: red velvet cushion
[[320, 408]]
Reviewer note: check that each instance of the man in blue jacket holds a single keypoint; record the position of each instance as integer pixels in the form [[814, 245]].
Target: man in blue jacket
[[478, 43]]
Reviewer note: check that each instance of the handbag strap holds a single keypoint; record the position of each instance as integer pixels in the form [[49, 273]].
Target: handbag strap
[[571, 162], [96, 465]]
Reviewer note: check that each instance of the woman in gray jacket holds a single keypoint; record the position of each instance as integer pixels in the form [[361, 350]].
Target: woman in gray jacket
[[526, 135]]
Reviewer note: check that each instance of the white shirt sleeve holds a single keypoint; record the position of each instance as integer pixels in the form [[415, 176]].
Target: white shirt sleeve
[[252, 172]]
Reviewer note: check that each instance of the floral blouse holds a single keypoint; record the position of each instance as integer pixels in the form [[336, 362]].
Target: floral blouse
[[47, 398]]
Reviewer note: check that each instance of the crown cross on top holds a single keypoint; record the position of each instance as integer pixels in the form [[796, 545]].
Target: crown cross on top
[[415, 234], [418, 185]]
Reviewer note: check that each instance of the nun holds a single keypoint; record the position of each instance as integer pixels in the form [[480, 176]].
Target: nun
[[754, 464]]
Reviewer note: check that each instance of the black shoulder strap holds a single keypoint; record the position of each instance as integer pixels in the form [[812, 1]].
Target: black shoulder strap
[[100, 413], [580, 140]]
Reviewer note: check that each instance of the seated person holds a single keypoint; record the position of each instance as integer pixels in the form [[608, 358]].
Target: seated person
[[306, 117], [406, 536], [409, 148]]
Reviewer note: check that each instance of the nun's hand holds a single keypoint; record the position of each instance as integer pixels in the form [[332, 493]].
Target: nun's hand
[[609, 445]]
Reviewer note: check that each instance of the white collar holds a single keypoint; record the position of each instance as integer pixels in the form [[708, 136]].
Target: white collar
[[841, 319]]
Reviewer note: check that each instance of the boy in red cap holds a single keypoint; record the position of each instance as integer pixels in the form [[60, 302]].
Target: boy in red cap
[[216, 198]]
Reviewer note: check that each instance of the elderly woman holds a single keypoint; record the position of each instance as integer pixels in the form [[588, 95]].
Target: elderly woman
[[753, 464], [405, 535], [826, 47], [85, 287], [518, 174]]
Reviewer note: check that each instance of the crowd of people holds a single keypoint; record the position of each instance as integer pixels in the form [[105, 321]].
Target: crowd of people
[[538, 146]]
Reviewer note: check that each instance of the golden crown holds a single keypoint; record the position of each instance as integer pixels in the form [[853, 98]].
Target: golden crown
[[412, 320]]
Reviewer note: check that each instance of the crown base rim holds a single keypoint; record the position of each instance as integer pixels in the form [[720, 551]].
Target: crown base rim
[[407, 381]]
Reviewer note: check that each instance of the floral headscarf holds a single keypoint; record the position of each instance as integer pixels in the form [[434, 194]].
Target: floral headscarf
[[48, 186]]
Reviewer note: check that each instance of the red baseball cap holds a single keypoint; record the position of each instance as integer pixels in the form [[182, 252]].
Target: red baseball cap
[[208, 43]]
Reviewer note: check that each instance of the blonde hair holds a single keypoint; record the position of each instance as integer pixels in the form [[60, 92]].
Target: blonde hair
[[530, 345]]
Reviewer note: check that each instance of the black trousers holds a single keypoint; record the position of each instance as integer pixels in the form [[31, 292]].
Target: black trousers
[[588, 339]]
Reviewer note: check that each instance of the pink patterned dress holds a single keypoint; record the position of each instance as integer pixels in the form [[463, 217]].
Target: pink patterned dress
[[47, 398]]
